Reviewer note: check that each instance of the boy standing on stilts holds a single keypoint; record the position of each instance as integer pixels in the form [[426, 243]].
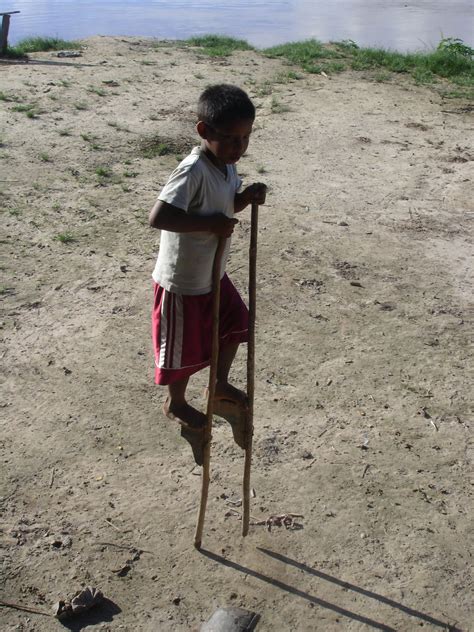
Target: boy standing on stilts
[[194, 210]]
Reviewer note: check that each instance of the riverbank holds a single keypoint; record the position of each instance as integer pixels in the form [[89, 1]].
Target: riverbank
[[361, 408]]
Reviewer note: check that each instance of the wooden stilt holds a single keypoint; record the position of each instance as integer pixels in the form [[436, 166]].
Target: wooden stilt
[[216, 285], [250, 367]]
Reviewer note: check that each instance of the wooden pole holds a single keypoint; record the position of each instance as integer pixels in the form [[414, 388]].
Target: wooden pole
[[216, 292], [4, 30], [4, 33], [250, 367]]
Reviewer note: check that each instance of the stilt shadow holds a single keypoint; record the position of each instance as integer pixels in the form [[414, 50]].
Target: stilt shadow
[[102, 613], [297, 592], [362, 591], [326, 604]]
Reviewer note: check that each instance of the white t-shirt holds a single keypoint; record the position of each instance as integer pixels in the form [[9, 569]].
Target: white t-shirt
[[185, 260]]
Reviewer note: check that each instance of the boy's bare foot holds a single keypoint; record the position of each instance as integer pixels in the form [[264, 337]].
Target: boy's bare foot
[[189, 417], [224, 390], [232, 405]]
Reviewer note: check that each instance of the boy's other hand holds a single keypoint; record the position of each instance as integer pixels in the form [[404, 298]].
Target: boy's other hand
[[222, 225], [256, 193]]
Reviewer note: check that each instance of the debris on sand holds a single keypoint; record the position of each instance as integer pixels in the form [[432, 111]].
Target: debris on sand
[[82, 601]]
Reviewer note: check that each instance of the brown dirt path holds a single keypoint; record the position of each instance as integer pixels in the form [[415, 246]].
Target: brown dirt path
[[362, 381]]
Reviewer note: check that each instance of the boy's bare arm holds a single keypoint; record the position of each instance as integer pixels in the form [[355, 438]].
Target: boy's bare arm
[[255, 193], [168, 217]]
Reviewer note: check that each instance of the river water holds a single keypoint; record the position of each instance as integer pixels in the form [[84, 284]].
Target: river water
[[397, 24]]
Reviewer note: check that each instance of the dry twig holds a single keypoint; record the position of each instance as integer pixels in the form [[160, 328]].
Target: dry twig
[[17, 606], [286, 520]]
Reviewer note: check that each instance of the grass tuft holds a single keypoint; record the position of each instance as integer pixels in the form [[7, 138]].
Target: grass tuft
[[7, 97], [103, 172], [65, 238], [303, 54], [39, 44], [218, 45], [100, 92], [451, 60], [30, 109], [158, 149], [277, 107]]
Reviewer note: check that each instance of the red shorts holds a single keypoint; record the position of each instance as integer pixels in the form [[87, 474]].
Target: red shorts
[[182, 329]]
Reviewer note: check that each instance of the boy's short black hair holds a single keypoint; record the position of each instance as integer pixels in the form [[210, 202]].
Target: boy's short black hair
[[223, 103]]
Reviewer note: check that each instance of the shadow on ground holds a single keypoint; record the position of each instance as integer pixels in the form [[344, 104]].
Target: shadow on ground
[[326, 604], [102, 613]]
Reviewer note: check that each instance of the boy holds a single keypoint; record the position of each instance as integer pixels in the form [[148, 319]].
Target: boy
[[195, 209]]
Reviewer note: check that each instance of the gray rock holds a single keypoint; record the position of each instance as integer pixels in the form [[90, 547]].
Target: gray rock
[[231, 620]]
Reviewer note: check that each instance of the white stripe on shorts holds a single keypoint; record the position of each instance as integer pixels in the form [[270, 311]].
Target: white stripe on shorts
[[163, 328], [171, 330], [178, 332]]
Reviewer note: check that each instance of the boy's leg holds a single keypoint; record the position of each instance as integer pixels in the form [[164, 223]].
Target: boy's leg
[[223, 388], [176, 407]]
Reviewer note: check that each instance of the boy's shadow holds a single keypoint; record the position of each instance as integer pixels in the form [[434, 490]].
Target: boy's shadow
[[103, 612], [326, 604]]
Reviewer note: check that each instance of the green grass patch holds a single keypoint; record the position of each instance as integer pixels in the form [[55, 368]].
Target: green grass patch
[[40, 44], [30, 109], [452, 60], [65, 238], [100, 92], [423, 76], [8, 97], [11, 53], [218, 45], [117, 126], [158, 149], [311, 55], [264, 89], [5, 291], [287, 77], [277, 107], [103, 172]]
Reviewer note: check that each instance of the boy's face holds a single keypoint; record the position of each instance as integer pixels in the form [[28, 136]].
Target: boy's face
[[227, 143]]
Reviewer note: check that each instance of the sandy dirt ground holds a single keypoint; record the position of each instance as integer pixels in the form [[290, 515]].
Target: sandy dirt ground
[[362, 366]]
